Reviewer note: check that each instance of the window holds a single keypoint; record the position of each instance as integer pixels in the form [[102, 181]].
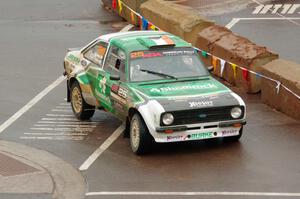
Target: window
[[115, 62], [96, 53]]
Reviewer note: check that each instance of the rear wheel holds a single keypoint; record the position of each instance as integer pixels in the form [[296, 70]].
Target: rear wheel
[[81, 109], [234, 138], [140, 138]]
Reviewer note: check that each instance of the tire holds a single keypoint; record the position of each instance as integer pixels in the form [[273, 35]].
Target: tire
[[81, 109], [140, 138], [234, 138]]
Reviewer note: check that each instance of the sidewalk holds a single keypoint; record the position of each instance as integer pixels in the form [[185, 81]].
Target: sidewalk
[[27, 172]]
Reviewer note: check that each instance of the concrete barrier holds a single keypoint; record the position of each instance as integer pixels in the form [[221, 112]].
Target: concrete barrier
[[177, 19], [233, 48], [288, 74]]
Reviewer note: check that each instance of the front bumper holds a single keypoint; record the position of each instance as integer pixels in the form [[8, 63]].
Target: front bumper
[[197, 131]]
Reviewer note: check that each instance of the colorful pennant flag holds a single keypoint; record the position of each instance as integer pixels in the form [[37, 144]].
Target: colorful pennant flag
[[234, 70], [120, 6], [214, 62], [223, 62], [151, 26], [114, 4], [204, 54], [245, 74], [144, 24], [132, 17]]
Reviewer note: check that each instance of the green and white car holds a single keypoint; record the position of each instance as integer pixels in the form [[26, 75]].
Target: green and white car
[[157, 84]]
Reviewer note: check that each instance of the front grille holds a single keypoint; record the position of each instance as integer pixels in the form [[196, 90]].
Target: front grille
[[204, 115]]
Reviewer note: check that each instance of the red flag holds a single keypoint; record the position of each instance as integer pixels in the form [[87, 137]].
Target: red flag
[[114, 4], [245, 74]]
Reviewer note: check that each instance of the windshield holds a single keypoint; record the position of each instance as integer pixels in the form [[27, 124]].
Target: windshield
[[166, 64]]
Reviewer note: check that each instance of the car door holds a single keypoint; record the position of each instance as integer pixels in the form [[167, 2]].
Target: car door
[[93, 58], [114, 67]]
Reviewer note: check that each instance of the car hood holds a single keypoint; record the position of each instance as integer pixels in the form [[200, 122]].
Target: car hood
[[188, 94]]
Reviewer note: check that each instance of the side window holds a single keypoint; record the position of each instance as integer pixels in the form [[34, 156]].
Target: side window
[[115, 62], [96, 53]]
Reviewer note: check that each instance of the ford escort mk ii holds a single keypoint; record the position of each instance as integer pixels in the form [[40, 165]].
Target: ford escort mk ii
[[156, 83]]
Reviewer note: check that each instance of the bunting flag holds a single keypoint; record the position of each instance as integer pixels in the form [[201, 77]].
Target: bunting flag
[[151, 26], [144, 24], [245, 74], [234, 70], [114, 4], [204, 54], [132, 17], [223, 62], [120, 6], [214, 62], [278, 87]]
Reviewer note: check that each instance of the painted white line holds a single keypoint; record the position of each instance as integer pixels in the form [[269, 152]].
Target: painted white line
[[31, 103], [59, 115], [102, 148], [64, 129], [61, 110], [65, 104], [66, 125], [63, 107], [76, 122], [136, 193], [232, 23], [73, 138], [59, 119], [65, 134]]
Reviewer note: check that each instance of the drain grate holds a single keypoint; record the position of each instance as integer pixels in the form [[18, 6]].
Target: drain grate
[[11, 167]]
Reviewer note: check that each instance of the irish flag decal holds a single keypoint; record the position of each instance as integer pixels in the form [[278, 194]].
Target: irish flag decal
[[163, 40]]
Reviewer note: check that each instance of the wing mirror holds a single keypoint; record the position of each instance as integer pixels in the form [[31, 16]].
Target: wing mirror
[[114, 77]]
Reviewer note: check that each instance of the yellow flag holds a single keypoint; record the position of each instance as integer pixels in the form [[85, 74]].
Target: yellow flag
[[132, 17], [214, 62], [120, 6], [234, 70]]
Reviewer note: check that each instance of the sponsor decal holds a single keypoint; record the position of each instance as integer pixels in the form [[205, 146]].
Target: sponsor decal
[[230, 132], [102, 85], [102, 96], [185, 87], [147, 54], [197, 136], [175, 137], [122, 92], [201, 104], [72, 58]]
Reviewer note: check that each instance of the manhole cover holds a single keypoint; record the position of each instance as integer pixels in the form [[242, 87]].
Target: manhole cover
[[10, 166]]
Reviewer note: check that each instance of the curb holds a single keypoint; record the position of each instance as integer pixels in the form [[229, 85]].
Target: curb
[[63, 174]]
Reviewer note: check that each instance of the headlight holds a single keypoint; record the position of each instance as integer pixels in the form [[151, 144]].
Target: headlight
[[236, 112], [168, 119]]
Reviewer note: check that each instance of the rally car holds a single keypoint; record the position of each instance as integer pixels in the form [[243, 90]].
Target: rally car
[[156, 83]]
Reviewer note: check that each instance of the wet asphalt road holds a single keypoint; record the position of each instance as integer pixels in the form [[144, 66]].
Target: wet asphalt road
[[33, 39]]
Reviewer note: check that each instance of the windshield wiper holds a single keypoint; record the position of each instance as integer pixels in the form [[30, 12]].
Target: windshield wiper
[[158, 73]]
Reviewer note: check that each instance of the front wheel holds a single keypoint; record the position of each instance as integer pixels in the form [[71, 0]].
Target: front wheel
[[140, 138], [81, 109], [234, 138]]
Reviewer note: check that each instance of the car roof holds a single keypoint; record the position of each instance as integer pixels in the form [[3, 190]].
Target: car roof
[[131, 41]]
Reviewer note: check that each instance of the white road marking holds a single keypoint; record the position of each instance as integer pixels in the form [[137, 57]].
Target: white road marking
[[61, 110], [65, 104], [31, 103], [63, 129], [141, 193], [282, 16], [102, 148], [63, 107], [59, 119], [66, 125], [62, 133], [59, 115], [77, 122], [73, 138], [234, 21]]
